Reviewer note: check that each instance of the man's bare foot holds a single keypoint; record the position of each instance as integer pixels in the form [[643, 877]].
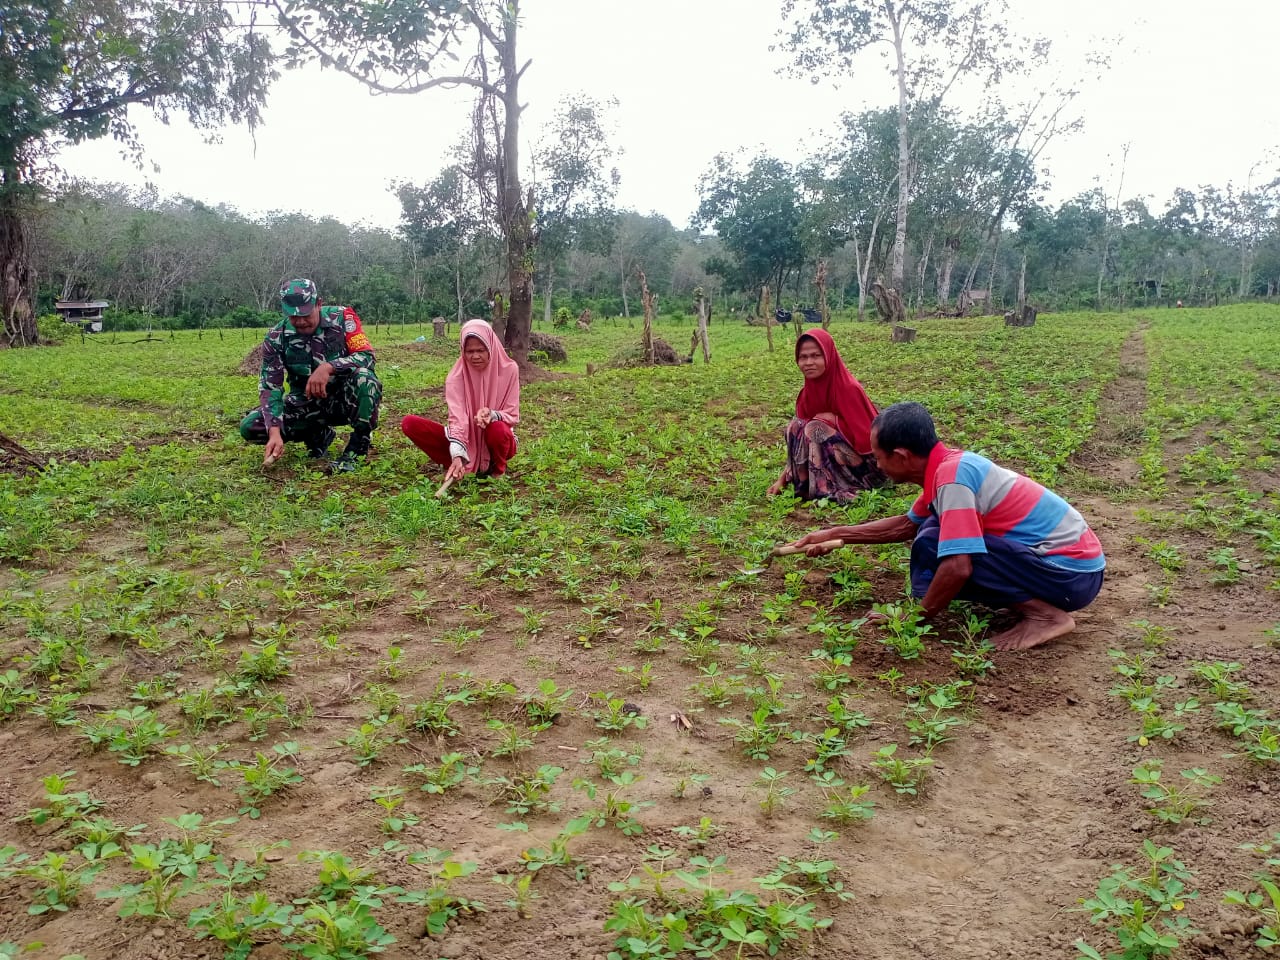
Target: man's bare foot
[[1041, 622]]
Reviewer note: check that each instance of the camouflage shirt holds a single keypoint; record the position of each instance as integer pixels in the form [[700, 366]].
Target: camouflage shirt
[[338, 339]]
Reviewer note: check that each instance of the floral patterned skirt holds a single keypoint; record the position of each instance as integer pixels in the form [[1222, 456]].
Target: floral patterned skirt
[[821, 463]]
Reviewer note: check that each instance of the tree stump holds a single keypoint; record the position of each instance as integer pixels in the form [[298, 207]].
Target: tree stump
[[552, 347], [1024, 316], [888, 304], [439, 327], [16, 458], [903, 334], [584, 320]]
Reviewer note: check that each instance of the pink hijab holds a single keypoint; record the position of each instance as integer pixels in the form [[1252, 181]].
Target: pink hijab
[[467, 391]]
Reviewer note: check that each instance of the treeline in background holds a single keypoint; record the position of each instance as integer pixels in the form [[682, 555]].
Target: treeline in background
[[978, 222]]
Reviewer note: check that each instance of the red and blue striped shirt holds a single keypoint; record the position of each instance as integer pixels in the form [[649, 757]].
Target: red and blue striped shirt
[[973, 498]]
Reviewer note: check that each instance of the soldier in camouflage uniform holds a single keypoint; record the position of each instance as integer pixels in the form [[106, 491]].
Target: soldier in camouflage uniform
[[328, 361]]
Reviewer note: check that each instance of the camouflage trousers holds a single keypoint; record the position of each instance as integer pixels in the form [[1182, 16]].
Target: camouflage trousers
[[353, 400]]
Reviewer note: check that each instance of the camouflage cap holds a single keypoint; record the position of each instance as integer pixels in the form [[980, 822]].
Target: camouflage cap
[[298, 297]]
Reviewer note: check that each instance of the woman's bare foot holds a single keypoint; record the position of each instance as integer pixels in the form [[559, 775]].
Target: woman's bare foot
[[1041, 622]]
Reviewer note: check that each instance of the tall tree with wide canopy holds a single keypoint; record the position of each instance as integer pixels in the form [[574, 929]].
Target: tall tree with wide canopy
[[574, 186], [933, 46], [411, 46], [759, 214], [70, 70]]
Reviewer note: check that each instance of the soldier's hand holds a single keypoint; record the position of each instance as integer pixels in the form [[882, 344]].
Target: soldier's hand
[[318, 382], [274, 448]]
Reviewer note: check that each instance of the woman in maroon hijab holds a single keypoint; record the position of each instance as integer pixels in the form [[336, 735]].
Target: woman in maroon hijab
[[829, 439]]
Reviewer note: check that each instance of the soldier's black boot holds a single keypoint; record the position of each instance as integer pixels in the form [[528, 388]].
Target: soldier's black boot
[[318, 443], [353, 456]]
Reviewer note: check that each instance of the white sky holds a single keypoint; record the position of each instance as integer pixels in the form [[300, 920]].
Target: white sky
[[1190, 87]]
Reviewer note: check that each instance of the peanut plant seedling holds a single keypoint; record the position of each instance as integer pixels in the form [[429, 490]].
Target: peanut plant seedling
[[775, 794], [700, 835], [390, 799], [1174, 803], [1142, 908], [62, 803], [441, 904], [846, 804], [758, 734], [266, 777], [522, 894], [512, 741], [609, 760], [615, 809], [451, 770], [616, 715], [63, 876], [240, 923], [528, 793], [907, 777], [545, 706], [343, 928], [683, 784]]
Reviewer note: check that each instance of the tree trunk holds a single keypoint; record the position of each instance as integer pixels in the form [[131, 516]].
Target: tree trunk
[[991, 276], [17, 281], [765, 309], [1022, 284], [626, 307], [646, 298], [515, 210], [898, 270], [457, 292], [546, 297], [820, 281], [944, 274], [862, 279], [700, 332], [888, 304]]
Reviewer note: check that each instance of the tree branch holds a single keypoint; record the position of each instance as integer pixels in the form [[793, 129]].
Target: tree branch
[[377, 86]]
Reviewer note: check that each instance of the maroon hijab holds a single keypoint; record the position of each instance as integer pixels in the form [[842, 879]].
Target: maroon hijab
[[837, 392]]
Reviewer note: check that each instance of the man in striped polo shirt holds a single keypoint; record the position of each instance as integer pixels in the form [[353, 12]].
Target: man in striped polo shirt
[[980, 532]]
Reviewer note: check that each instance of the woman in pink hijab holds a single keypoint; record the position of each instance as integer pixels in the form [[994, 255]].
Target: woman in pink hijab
[[483, 393]]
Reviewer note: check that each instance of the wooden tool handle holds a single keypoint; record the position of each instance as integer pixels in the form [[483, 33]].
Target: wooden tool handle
[[787, 549], [444, 486]]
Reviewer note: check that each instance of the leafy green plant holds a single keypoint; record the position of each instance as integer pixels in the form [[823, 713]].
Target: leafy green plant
[[520, 888], [775, 794], [371, 739], [616, 714], [390, 799], [758, 734], [903, 629], [1142, 909], [530, 792], [62, 802], [267, 776], [63, 876], [547, 704], [169, 872], [1174, 803], [449, 772], [240, 923], [338, 930], [615, 809], [906, 776], [442, 905]]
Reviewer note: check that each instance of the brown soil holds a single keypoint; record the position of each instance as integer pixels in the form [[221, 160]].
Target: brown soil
[[1026, 809]]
